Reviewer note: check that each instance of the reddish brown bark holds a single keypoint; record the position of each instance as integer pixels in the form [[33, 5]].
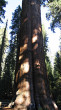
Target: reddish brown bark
[[23, 79], [31, 81], [40, 80]]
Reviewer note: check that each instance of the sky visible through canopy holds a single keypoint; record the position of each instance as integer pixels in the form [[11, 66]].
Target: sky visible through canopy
[[53, 44]]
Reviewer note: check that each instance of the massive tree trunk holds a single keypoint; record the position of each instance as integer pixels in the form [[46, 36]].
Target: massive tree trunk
[[32, 90], [40, 79], [23, 79]]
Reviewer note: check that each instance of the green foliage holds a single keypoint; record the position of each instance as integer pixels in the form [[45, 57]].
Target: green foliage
[[57, 64], [15, 28], [47, 60], [7, 81], [56, 87], [3, 48], [6, 87], [45, 40], [15, 21], [55, 77], [2, 10], [40, 108], [54, 13]]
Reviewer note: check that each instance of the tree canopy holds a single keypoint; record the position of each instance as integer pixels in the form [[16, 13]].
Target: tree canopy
[[54, 13], [15, 21], [2, 10]]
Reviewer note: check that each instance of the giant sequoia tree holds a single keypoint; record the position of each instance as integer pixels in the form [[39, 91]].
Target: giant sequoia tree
[[31, 81]]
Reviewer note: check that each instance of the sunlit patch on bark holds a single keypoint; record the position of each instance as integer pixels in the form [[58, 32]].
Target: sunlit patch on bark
[[25, 20], [55, 106], [33, 3], [25, 66], [23, 94], [23, 48], [40, 29], [20, 57], [35, 31], [0, 104], [34, 39], [24, 85], [36, 46], [37, 64], [35, 34], [17, 75], [26, 40]]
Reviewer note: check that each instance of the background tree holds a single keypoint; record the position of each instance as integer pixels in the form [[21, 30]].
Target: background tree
[[47, 60], [56, 88], [3, 45], [15, 27], [54, 13], [3, 49], [7, 81], [2, 10]]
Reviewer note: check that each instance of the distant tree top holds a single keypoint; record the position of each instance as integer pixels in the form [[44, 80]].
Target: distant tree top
[[2, 10]]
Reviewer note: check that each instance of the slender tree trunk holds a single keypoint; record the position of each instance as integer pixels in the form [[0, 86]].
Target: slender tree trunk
[[32, 90], [2, 46]]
